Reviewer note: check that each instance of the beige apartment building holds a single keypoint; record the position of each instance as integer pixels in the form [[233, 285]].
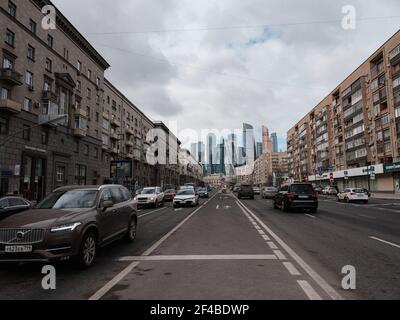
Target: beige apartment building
[[355, 127], [103, 136]]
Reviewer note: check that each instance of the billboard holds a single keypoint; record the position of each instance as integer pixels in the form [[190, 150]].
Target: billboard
[[121, 169]]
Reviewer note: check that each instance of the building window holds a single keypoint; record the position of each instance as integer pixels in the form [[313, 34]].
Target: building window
[[5, 93], [12, 9], [50, 41], [60, 174], [96, 153], [396, 82], [89, 74], [66, 54], [10, 38], [86, 150], [79, 66], [45, 138], [27, 104], [89, 93], [104, 139], [29, 78], [26, 133], [47, 86], [80, 175], [98, 82], [98, 99], [3, 126], [49, 65], [8, 63], [32, 26], [78, 86], [31, 53]]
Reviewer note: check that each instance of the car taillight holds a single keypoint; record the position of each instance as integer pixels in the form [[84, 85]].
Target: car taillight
[[290, 195], [352, 193], [315, 195]]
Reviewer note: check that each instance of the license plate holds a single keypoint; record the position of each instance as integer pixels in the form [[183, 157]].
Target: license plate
[[18, 249], [303, 197], [360, 195]]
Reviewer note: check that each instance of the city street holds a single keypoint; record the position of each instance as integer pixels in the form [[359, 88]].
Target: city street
[[231, 249]]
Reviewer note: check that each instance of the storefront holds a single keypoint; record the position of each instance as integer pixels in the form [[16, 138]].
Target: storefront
[[393, 171], [365, 177]]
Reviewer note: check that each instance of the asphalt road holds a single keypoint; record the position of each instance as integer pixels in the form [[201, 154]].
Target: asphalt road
[[231, 249]]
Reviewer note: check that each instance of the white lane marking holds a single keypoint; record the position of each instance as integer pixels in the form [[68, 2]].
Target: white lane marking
[[109, 285], [217, 207], [310, 271], [257, 227], [200, 257], [310, 216], [384, 241], [151, 212], [261, 232], [266, 238], [292, 269], [179, 209], [280, 255], [309, 291], [272, 245]]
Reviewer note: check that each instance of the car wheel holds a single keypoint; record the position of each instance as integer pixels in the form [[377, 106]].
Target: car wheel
[[275, 206], [284, 206], [366, 201], [132, 231], [88, 250]]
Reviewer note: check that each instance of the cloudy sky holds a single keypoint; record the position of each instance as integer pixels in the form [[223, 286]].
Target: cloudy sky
[[216, 64]]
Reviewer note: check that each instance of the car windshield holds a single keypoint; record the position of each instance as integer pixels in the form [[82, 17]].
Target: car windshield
[[301, 188], [73, 199], [271, 189], [359, 191], [185, 193], [202, 190], [170, 191], [149, 191]]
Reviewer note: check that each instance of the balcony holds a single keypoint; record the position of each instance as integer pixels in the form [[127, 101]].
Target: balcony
[[129, 131], [129, 143], [11, 106], [49, 112], [115, 136], [80, 133], [114, 151], [105, 116], [49, 96], [10, 77], [80, 126], [115, 123], [104, 147]]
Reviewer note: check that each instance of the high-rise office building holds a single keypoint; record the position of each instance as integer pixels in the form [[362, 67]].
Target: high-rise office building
[[259, 149], [249, 143], [274, 138]]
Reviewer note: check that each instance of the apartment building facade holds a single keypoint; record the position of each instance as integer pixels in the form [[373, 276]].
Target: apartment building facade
[[46, 73], [355, 126]]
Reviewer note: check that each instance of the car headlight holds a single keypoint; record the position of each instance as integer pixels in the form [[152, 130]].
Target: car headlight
[[66, 227]]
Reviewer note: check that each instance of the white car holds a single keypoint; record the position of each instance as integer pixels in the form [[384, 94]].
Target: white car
[[353, 194], [186, 197], [150, 197]]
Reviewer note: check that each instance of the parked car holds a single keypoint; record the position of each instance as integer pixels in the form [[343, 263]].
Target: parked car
[[296, 196], [186, 197], [246, 191], [209, 188], [330, 191], [367, 192], [70, 223], [236, 188], [11, 205], [169, 195], [203, 193], [269, 192], [353, 195], [257, 190], [150, 197], [318, 190]]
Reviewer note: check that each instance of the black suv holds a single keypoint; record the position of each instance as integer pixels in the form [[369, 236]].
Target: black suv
[[246, 191], [296, 195]]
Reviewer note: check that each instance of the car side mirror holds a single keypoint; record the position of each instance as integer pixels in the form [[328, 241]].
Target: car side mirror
[[106, 205]]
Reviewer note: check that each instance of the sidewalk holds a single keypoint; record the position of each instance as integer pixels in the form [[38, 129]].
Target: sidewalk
[[386, 196]]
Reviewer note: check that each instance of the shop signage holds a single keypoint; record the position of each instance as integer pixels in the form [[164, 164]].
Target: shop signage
[[393, 167]]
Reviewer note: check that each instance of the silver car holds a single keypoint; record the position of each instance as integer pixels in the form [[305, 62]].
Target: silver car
[[269, 192]]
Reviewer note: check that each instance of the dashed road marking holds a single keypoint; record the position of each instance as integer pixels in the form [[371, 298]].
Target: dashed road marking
[[309, 290], [292, 269], [310, 216], [280, 255], [151, 212], [329, 290], [201, 257]]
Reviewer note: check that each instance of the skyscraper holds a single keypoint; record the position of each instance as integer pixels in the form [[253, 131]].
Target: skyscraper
[[266, 141], [274, 138], [259, 149], [211, 152], [249, 143]]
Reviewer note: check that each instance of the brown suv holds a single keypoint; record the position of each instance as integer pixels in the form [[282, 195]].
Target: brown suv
[[72, 222]]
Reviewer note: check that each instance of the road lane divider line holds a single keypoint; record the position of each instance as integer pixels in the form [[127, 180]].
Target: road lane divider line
[[384, 241], [201, 257], [280, 255], [329, 290], [309, 290], [120, 276], [291, 268], [151, 212], [266, 238], [310, 216], [272, 245]]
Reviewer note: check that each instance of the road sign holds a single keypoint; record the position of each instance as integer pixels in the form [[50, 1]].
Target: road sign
[[346, 175], [330, 167], [331, 178], [372, 169]]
